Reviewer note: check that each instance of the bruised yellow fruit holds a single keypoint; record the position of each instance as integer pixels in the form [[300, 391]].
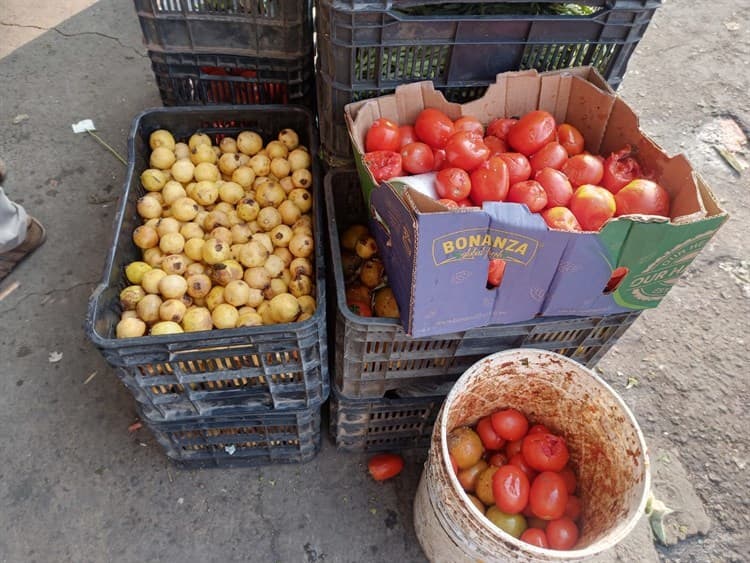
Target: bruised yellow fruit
[[167, 225], [225, 316], [284, 308], [215, 297], [283, 253], [207, 172], [248, 209], [198, 139], [166, 327], [265, 240], [228, 144], [135, 270], [130, 296], [289, 212], [287, 184], [300, 286], [202, 153], [385, 304], [229, 162], [276, 287], [249, 319], [172, 286], [280, 167], [153, 256], [172, 243], [161, 138], [290, 138], [269, 218], [231, 192], [198, 285], [261, 165], [130, 328], [191, 230], [249, 142], [148, 308], [226, 271], [148, 207], [253, 254], [301, 245], [182, 150], [255, 297], [206, 192], [301, 198], [241, 233], [306, 304], [244, 176], [172, 310], [153, 179], [299, 159], [184, 209], [172, 191], [302, 178], [274, 265], [197, 318], [194, 248], [150, 280], [215, 251], [175, 264], [300, 267], [221, 233], [270, 194], [162, 158], [236, 293], [194, 269]]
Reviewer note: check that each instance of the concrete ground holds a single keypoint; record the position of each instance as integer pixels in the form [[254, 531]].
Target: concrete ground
[[75, 485]]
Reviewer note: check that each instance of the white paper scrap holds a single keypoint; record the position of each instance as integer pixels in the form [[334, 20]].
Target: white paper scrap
[[83, 126]]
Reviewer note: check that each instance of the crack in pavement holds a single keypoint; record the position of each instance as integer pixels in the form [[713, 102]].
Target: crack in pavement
[[79, 34], [45, 294]]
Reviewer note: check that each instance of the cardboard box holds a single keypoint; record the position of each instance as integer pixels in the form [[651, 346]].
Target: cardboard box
[[437, 260]]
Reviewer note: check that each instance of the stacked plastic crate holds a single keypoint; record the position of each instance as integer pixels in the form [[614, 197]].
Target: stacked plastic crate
[[367, 47], [388, 387], [241, 396], [230, 51]]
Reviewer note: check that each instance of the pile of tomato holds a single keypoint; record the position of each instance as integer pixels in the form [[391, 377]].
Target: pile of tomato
[[531, 160], [518, 475]]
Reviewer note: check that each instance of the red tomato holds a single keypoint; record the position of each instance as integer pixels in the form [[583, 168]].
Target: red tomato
[[466, 150], [548, 496], [570, 479], [417, 158], [408, 135], [519, 462], [509, 424], [496, 146], [538, 428], [510, 487], [470, 124], [529, 192], [560, 218], [466, 202], [532, 132], [489, 182], [573, 508], [519, 168], [449, 203], [384, 164], [620, 168], [513, 447], [583, 169], [642, 197], [383, 135], [556, 185], [495, 276], [562, 533], [433, 127], [385, 466], [488, 436], [497, 459], [499, 127], [359, 308], [593, 206], [535, 536], [440, 162], [545, 452], [551, 155], [570, 138], [453, 183]]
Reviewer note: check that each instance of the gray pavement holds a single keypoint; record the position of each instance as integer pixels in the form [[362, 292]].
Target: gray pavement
[[75, 485]]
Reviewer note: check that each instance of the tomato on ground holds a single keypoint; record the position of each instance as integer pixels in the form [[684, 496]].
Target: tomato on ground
[[510, 425], [593, 206], [384, 165], [466, 150], [560, 218], [548, 496], [385, 466], [510, 487], [417, 158], [535, 536], [529, 192], [557, 186], [470, 124], [583, 169], [499, 127], [383, 135], [562, 533], [545, 452], [532, 132], [620, 168], [433, 127], [453, 183], [490, 439], [519, 168], [495, 275], [570, 138], [642, 197], [489, 181], [552, 155]]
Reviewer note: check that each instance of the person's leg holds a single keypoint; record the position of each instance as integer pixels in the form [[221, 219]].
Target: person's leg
[[13, 223]]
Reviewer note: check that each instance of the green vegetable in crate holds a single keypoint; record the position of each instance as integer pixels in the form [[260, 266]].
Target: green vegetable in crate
[[225, 243]]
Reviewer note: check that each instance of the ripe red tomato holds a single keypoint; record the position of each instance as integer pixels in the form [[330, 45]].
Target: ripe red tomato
[[573, 508], [385, 466], [466, 150], [570, 479], [384, 165], [538, 428], [513, 447], [408, 135], [620, 168], [532, 132], [510, 425], [497, 459], [556, 185], [545, 452], [499, 127], [470, 124], [562, 533], [560, 218], [510, 487], [489, 182], [495, 276], [519, 168], [529, 192], [417, 158], [496, 146], [535, 536], [466, 202], [433, 127], [453, 183], [583, 169], [642, 197], [593, 206], [449, 203], [548, 496], [570, 138], [383, 135], [519, 462], [440, 161], [551, 155], [487, 434], [359, 308]]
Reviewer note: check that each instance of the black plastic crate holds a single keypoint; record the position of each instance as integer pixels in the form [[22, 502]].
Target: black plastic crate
[[214, 372], [240, 441], [212, 79], [366, 48], [260, 28], [374, 355]]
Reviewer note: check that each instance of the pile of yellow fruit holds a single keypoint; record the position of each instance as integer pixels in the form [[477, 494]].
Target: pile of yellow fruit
[[226, 239]]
